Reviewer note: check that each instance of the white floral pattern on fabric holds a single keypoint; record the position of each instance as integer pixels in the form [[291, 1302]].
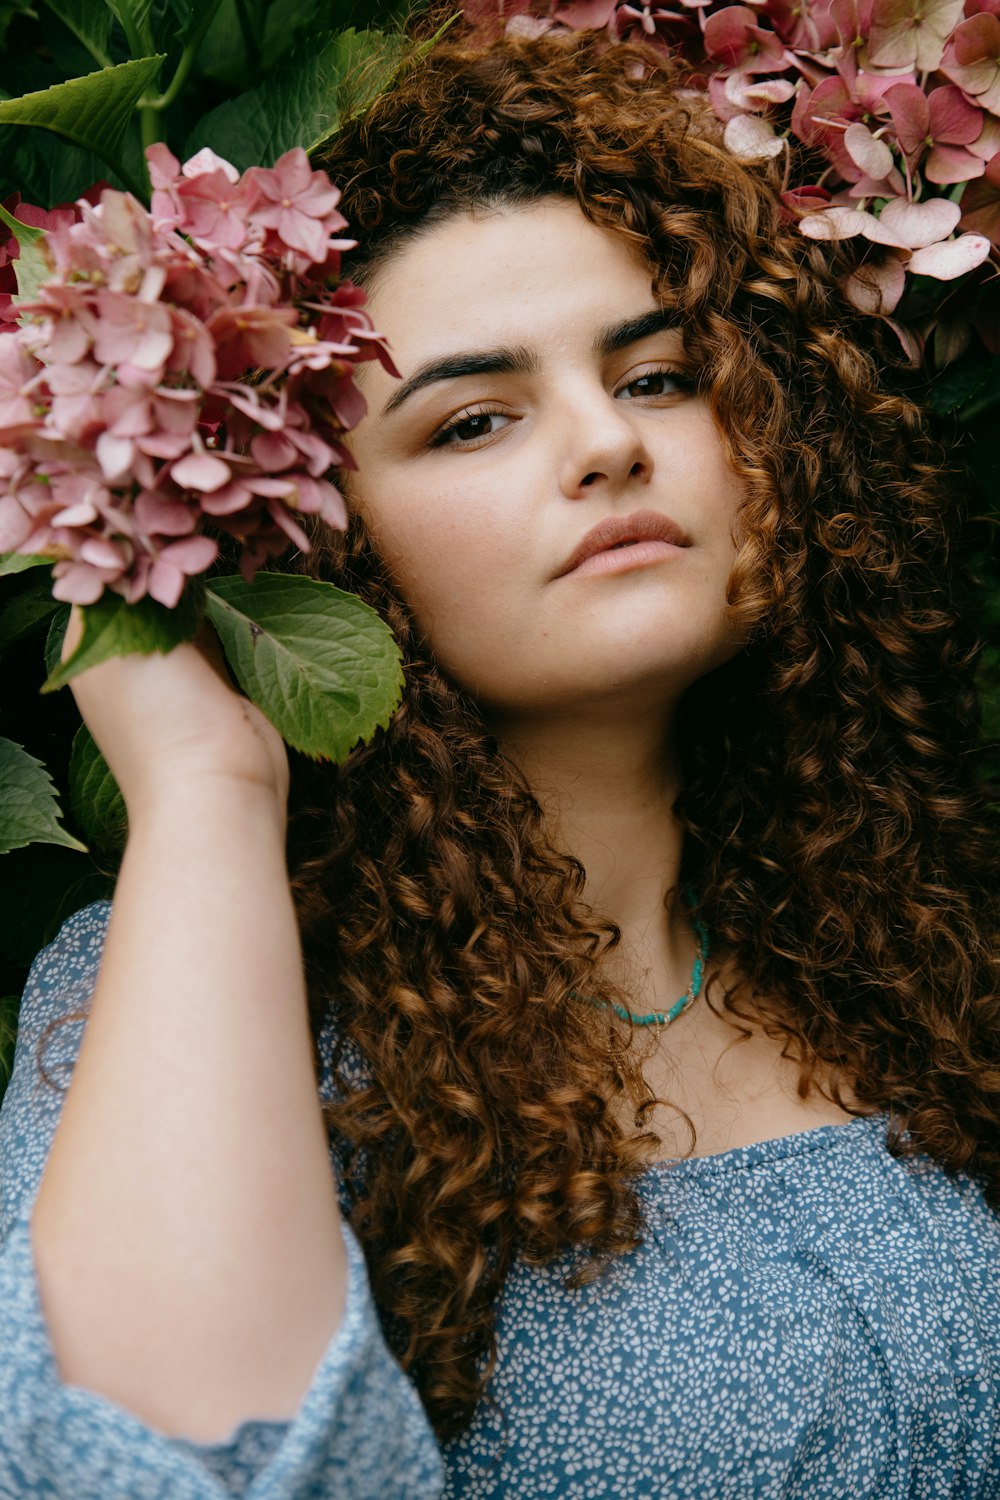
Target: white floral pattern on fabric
[[360, 1431], [808, 1319]]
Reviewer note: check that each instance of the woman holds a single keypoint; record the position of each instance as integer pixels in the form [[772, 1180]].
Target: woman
[[648, 955]]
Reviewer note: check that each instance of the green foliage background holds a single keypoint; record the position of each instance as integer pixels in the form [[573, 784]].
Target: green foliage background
[[84, 86]]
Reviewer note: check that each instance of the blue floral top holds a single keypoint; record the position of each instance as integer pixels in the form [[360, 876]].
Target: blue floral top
[[808, 1318]]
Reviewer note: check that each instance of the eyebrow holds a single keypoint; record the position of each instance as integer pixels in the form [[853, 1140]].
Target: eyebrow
[[518, 360]]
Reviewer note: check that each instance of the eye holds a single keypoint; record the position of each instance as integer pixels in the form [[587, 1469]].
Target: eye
[[467, 429], [655, 384]]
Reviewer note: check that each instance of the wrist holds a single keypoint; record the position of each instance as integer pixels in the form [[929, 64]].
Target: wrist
[[207, 798]]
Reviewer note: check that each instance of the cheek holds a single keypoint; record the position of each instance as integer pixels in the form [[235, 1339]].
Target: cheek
[[455, 564]]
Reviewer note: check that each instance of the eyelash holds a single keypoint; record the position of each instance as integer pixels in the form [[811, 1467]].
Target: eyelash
[[440, 438]]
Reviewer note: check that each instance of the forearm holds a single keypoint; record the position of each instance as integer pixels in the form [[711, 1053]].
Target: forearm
[[186, 1231]]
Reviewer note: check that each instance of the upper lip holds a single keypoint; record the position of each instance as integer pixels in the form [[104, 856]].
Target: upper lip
[[640, 526]]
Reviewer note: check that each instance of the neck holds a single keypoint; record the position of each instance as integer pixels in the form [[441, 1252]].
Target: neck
[[608, 782]]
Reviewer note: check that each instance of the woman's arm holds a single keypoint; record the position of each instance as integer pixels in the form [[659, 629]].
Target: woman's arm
[[186, 1230]]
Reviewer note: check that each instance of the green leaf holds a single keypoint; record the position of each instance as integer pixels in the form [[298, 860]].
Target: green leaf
[[134, 16], [371, 60], [174, 21], [8, 10], [298, 104], [27, 612], [33, 267], [113, 628], [54, 638], [10, 1009], [985, 398], [19, 562], [97, 803], [47, 170], [90, 23], [25, 234], [94, 112], [961, 380], [29, 810], [320, 664], [234, 51]]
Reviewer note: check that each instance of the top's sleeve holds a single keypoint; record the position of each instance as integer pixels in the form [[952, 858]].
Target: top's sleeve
[[360, 1432]]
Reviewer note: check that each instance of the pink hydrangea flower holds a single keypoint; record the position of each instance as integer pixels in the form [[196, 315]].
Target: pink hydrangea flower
[[187, 371], [897, 99], [297, 204]]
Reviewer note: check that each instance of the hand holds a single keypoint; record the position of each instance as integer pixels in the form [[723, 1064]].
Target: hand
[[163, 720]]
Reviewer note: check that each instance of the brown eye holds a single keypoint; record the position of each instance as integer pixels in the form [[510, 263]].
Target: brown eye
[[473, 427], [654, 384], [468, 429]]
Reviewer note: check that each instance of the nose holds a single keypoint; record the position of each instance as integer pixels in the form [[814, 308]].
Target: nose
[[604, 448]]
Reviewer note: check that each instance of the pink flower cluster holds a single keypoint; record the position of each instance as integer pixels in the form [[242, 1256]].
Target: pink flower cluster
[[186, 369], [897, 103], [37, 218]]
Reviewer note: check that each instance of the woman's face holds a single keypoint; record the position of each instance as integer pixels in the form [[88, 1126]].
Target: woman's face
[[541, 396]]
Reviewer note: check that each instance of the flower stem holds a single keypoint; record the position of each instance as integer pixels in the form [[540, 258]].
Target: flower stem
[[973, 409], [149, 124], [135, 42]]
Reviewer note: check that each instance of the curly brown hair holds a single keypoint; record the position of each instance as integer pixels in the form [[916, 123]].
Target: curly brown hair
[[836, 827]]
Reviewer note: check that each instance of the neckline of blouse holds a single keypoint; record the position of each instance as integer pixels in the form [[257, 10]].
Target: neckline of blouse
[[758, 1153]]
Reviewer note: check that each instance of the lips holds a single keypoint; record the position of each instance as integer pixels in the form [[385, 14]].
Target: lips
[[619, 531]]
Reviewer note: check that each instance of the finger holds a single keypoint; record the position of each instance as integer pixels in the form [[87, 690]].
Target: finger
[[208, 643], [74, 632]]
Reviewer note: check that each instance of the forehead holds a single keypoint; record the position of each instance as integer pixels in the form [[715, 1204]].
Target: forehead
[[514, 275]]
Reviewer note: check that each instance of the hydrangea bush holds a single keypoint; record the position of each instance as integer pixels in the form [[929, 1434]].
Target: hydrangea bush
[[178, 346], [893, 110], [129, 432]]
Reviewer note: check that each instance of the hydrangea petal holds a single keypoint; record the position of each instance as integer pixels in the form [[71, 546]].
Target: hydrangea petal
[[201, 471], [835, 223], [948, 164], [15, 524], [871, 155], [910, 113], [987, 144], [205, 161], [76, 583], [981, 203], [165, 583], [158, 516], [192, 555], [952, 119], [951, 258], [114, 454], [230, 499], [751, 138], [920, 224]]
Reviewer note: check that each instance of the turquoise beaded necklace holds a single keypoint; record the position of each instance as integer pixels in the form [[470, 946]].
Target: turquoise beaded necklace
[[663, 1018]]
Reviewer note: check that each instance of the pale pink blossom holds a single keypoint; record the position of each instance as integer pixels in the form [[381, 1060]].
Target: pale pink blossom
[[876, 285], [972, 60], [132, 332], [981, 203], [734, 39], [942, 124], [298, 204], [215, 210], [948, 259], [911, 33], [129, 427], [751, 138]]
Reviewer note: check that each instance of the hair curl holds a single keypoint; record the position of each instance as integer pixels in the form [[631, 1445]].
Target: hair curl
[[835, 828]]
